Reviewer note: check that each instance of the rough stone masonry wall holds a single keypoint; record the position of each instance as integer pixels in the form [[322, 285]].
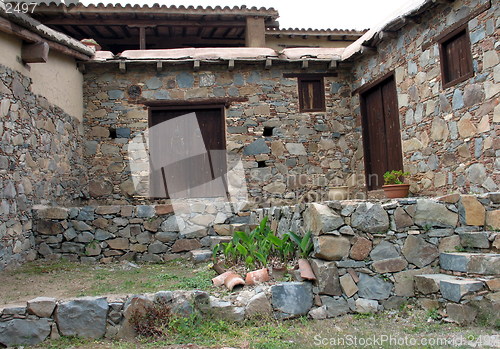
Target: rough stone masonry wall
[[40, 162], [345, 231], [305, 153], [449, 136]]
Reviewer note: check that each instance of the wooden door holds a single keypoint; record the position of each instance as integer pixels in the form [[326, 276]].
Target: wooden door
[[381, 132], [187, 147]]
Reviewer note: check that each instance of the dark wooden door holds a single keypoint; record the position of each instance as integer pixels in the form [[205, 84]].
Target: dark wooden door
[[187, 147], [381, 132]]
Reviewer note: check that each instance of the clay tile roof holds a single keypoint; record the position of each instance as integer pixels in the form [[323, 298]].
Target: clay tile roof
[[46, 5], [311, 31]]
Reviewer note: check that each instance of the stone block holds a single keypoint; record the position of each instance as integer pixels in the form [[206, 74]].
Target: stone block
[[404, 281], [454, 290], [370, 218], [327, 277], [493, 219], [476, 263], [118, 243], [449, 243], [384, 250], [474, 239], [83, 317], [334, 307], [20, 332], [431, 213], [429, 283], [182, 245], [419, 252], [461, 313], [472, 212], [366, 306], [42, 306], [391, 265], [360, 249], [349, 287], [331, 248], [374, 287], [258, 305], [292, 298], [320, 219], [53, 213]]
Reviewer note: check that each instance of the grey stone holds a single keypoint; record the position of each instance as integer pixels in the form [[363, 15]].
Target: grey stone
[[296, 148], [172, 224], [115, 94], [24, 332], [334, 307], [86, 214], [258, 305], [373, 287], [457, 101], [476, 173], [185, 80], [474, 239], [454, 290], [477, 263], [165, 236], [122, 132], [83, 317], [81, 226], [370, 218], [429, 283], [42, 306], [157, 247], [404, 281], [85, 237], [366, 306], [384, 250], [72, 247], [258, 146], [473, 94], [394, 302], [419, 252], [145, 211], [320, 219], [327, 275], [391, 265], [153, 83], [163, 297], [226, 310], [318, 313], [461, 313], [292, 298], [198, 256], [430, 213], [102, 235], [144, 238]]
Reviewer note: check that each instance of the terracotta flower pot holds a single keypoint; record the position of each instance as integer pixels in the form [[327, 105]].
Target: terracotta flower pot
[[219, 280], [233, 280], [396, 190], [257, 276], [305, 270]]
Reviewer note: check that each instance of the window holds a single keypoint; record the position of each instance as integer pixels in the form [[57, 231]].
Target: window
[[456, 57], [311, 94]]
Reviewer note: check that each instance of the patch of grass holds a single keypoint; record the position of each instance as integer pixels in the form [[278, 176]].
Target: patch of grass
[[433, 314], [45, 267]]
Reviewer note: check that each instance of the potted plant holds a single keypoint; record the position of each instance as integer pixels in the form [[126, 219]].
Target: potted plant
[[305, 246], [337, 191], [394, 186]]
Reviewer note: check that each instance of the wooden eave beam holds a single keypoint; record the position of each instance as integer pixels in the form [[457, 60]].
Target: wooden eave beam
[[13, 29], [143, 22]]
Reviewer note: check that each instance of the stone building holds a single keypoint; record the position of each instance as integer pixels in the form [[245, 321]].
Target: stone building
[[303, 110]]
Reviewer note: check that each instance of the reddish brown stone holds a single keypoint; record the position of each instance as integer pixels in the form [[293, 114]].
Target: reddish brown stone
[[118, 244], [361, 248], [390, 265], [185, 245], [101, 223], [450, 198], [402, 219], [163, 209]]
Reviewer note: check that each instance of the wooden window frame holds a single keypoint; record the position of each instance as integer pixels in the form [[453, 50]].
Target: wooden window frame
[[321, 80], [443, 40]]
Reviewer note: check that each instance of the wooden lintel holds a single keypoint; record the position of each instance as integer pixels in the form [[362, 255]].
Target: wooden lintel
[[230, 65], [333, 64], [194, 101], [122, 66], [159, 66], [384, 35], [269, 63], [309, 75], [196, 65], [305, 64], [13, 29], [37, 52]]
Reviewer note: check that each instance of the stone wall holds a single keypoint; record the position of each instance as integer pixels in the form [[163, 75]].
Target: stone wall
[[40, 162], [344, 231], [448, 135], [305, 152]]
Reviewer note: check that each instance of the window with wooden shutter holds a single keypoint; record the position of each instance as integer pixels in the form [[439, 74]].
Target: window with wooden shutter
[[456, 57], [311, 94]]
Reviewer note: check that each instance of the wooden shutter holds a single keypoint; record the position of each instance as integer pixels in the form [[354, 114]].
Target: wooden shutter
[[456, 57], [311, 94]]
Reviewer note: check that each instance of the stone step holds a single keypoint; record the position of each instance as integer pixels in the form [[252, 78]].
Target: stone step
[[474, 239], [454, 290], [429, 283], [474, 263]]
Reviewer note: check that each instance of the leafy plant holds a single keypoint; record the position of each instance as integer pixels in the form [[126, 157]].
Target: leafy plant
[[433, 314], [394, 177], [304, 243]]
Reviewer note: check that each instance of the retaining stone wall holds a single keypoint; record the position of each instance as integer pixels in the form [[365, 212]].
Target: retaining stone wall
[[448, 135], [345, 231], [40, 162], [305, 152]]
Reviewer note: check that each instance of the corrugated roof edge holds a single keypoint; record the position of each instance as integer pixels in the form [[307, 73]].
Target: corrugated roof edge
[[312, 31], [243, 10], [34, 26], [395, 22]]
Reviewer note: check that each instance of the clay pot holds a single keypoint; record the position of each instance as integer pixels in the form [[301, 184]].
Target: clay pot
[[305, 270], [233, 280], [338, 193], [257, 276], [394, 191], [219, 280]]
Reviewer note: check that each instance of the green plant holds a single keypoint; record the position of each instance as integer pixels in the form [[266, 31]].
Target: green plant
[[304, 243], [433, 314], [394, 177], [256, 248], [459, 248]]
